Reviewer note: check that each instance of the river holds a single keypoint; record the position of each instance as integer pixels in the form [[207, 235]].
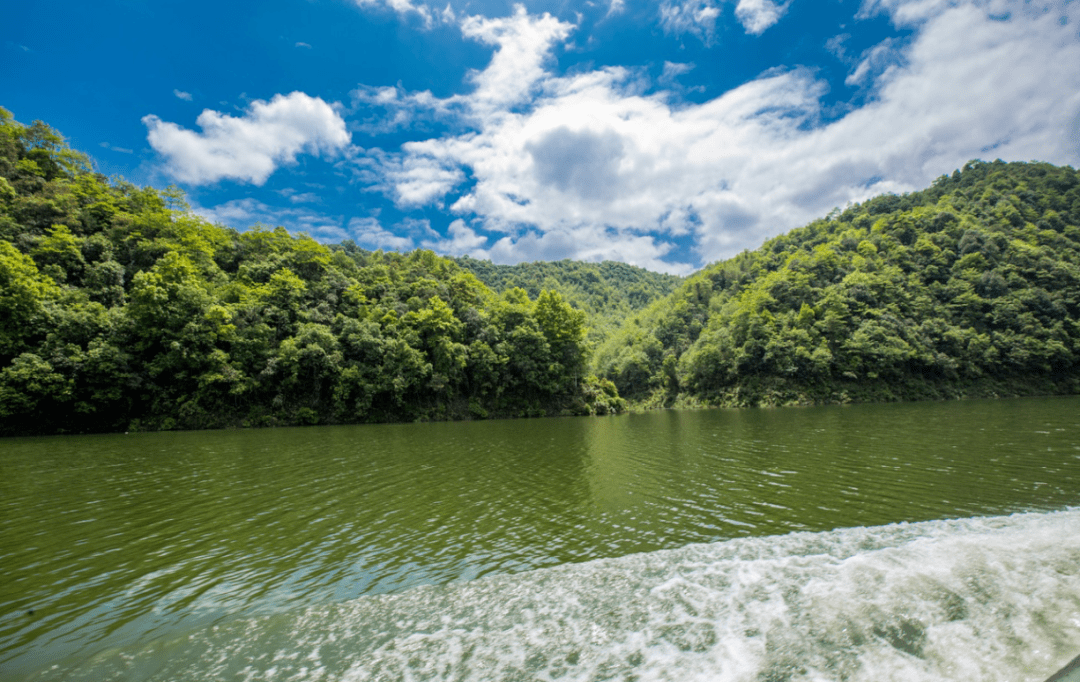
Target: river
[[918, 541]]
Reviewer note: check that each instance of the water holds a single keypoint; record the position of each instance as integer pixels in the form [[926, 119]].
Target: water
[[839, 543]]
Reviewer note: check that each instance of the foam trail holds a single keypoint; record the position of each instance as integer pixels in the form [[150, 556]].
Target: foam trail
[[991, 599]]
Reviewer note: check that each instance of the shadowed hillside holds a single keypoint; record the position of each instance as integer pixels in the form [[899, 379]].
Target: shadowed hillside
[[609, 292]]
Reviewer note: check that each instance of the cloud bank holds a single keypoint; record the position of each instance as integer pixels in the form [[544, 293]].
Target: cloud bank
[[596, 163], [587, 166]]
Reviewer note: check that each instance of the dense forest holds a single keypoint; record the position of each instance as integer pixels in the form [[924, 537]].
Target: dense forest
[[122, 310], [968, 288], [608, 292]]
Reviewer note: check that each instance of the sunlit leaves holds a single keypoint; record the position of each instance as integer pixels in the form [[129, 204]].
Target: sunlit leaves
[[970, 285], [121, 309]]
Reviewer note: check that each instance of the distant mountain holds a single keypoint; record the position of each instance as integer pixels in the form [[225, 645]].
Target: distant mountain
[[609, 292], [970, 287]]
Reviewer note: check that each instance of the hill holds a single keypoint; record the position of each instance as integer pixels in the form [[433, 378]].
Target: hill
[[968, 288], [609, 292], [122, 310]]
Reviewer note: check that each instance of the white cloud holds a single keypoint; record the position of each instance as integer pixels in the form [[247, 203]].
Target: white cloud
[[186, 96], [594, 168], [421, 178], [296, 197], [461, 240], [251, 147], [368, 233], [588, 243], [406, 8], [110, 147], [303, 45], [524, 43], [697, 17], [758, 15], [905, 12], [673, 71], [240, 214], [836, 46], [874, 62], [390, 108]]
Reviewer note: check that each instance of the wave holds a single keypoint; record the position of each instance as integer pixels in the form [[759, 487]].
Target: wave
[[990, 599]]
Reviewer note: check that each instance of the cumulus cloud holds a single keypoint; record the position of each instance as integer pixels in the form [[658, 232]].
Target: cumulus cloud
[[421, 178], [758, 15], [460, 240], [251, 147], [523, 43], [582, 163], [186, 96], [591, 167]]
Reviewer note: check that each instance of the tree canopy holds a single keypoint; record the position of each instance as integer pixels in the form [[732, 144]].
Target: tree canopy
[[608, 292], [970, 287], [121, 309]]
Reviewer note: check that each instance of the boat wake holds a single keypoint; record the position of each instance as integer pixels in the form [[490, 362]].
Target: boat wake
[[990, 599]]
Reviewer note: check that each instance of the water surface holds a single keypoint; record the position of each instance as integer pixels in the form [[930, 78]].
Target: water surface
[[120, 544]]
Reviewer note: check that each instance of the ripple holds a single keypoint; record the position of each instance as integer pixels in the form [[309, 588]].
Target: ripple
[[114, 540]]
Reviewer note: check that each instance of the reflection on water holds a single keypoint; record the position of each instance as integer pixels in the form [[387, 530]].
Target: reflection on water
[[117, 540]]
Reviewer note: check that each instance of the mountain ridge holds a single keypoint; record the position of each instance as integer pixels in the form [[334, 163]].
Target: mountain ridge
[[970, 287]]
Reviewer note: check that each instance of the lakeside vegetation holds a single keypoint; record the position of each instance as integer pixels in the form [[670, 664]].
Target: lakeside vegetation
[[968, 288], [120, 309]]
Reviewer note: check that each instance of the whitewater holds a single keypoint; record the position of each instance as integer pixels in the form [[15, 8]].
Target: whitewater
[[995, 599]]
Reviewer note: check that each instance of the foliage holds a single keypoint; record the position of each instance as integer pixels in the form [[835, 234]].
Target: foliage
[[608, 292], [970, 287], [120, 309]]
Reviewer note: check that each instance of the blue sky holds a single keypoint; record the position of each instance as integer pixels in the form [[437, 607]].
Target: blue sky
[[665, 134]]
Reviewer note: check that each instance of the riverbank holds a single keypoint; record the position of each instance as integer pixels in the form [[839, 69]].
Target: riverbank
[[771, 392]]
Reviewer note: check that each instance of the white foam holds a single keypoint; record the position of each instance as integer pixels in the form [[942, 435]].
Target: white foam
[[991, 599]]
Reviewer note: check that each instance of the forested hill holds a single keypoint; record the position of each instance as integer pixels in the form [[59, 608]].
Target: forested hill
[[609, 292], [968, 288], [120, 309]]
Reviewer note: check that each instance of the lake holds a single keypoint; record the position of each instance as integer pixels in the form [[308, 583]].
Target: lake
[[918, 541]]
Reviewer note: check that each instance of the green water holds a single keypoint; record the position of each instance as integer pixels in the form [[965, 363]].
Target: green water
[[115, 541]]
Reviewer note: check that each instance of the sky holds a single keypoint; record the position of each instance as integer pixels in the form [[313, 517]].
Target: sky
[[666, 134]]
